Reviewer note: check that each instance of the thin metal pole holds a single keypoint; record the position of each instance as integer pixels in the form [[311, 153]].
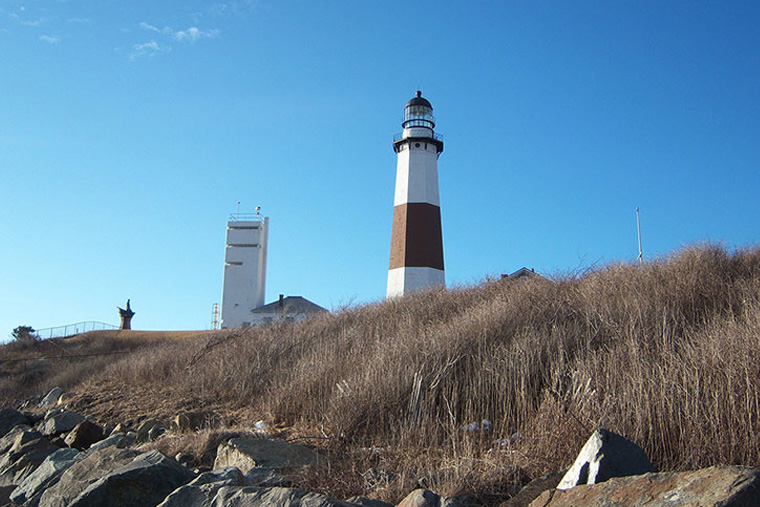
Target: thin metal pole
[[638, 228]]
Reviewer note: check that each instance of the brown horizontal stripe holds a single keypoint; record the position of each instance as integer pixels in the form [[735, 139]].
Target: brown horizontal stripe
[[417, 240]]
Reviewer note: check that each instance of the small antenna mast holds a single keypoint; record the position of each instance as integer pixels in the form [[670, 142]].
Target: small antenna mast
[[215, 317], [238, 209], [638, 228]]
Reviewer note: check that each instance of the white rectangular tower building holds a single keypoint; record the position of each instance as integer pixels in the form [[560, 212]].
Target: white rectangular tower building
[[245, 268]]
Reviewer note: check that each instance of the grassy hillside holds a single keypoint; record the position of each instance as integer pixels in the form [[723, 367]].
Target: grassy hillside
[[667, 354]]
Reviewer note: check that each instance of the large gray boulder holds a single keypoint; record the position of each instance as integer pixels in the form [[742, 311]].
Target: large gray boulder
[[26, 454], [426, 498], [51, 398], [266, 477], [23, 432], [606, 455], [236, 496], [82, 474], [201, 491], [60, 422], [44, 476], [146, 481], [10, 418], [363, 501], [198, 495], [229, 476], [119, 440], [248, 452], [726, 486]]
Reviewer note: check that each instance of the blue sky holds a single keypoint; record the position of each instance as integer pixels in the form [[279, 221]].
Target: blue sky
[[130, 130]]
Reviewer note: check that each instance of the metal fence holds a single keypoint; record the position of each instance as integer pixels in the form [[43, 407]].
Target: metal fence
[[400, 135], [72, 329]]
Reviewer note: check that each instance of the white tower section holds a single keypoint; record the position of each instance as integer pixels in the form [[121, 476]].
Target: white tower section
[[245, 268], [417, 241]]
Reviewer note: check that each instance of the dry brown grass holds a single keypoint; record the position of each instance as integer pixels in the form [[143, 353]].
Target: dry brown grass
[[30, 368], [667, 354]]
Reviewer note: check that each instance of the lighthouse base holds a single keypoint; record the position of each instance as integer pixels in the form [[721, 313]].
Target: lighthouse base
[[404, 280]]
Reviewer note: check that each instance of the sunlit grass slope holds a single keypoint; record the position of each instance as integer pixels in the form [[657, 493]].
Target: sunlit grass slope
[[667, 354]]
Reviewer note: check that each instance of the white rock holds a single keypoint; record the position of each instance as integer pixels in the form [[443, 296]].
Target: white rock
[[51, 398], [606, 455]]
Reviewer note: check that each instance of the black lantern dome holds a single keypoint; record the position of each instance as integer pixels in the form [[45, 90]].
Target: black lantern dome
[[418, 113]]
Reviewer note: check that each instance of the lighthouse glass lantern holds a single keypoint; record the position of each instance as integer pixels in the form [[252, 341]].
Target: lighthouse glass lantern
[[418, 113]]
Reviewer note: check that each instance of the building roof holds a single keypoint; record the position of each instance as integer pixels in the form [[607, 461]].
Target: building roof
[[520, 273], [291, 305], [419, 101]]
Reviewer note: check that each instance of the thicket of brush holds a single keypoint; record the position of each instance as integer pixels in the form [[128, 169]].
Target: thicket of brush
[[667, 354]]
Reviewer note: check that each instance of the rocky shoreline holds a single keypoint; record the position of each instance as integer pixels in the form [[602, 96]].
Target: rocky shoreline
[[52, 457]]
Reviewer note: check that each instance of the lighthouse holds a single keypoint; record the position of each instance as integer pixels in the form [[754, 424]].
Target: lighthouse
[[417, 241]]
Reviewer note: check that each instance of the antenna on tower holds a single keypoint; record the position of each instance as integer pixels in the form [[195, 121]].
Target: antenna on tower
[[238, 208], [638, 228]]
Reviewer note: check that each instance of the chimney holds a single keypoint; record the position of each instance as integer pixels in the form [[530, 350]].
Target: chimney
[[282, 297]]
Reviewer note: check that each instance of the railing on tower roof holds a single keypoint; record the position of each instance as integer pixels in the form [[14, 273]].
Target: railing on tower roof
[[246, 217], [400, 136]]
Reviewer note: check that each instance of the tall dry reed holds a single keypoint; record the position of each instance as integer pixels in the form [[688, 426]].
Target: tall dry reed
[[667, 354]]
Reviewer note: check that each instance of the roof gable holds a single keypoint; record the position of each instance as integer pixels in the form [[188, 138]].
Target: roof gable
[[520, 273], [291, 305]]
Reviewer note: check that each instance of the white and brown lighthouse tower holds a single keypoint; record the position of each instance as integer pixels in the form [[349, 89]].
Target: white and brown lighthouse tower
[[417, 240]]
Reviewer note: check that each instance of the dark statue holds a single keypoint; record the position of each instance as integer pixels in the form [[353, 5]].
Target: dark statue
[[126, 317]]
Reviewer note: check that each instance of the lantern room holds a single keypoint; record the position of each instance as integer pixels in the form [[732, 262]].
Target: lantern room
[[418, 113]]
